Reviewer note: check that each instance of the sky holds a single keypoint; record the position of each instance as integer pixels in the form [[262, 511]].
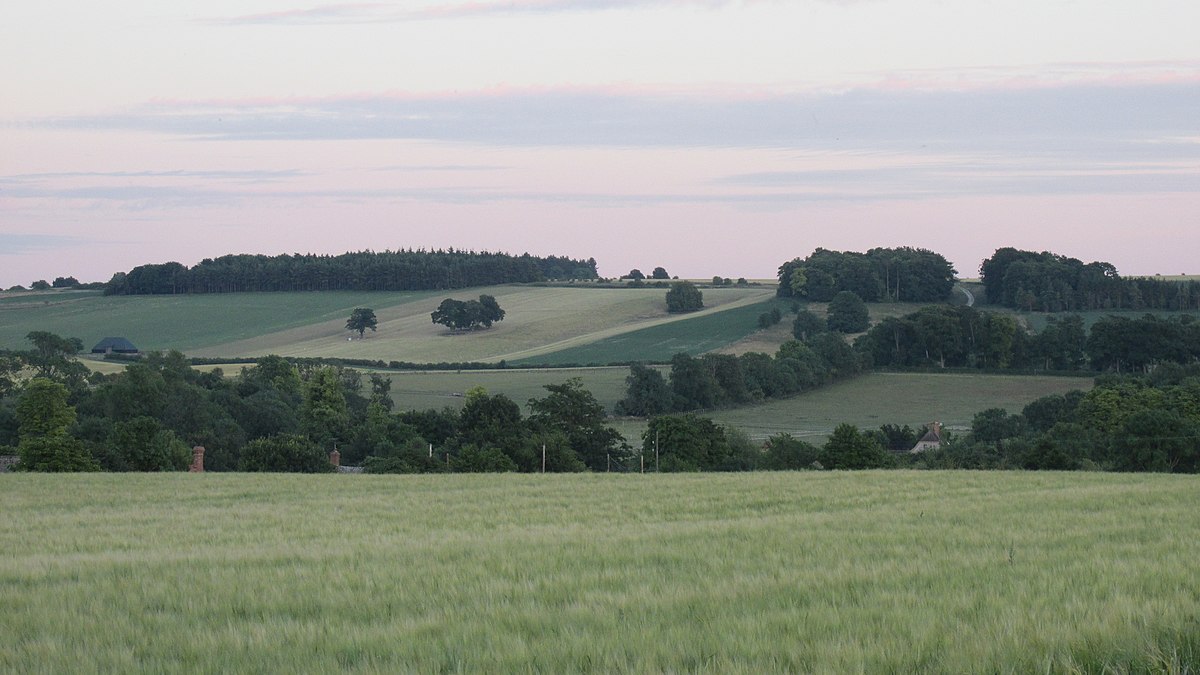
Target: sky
[[709, 137]]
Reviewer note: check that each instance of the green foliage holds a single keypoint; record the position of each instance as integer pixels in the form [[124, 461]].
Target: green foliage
[[847, 313], [324, 415], [141, 444], [683, 296], [51, 357], [693, 384], [43, 409], [784, 453], [768, 319], [366, 271], [659, 273], [848, 448], [573, 412], [55, 453], [469, 315], [960, 336], [1050, 282], [284, 453], [686, 443], [806, 324], [474, 459], [881, 274], [43, 417], [635, 274], [647, 393], [361, 319]]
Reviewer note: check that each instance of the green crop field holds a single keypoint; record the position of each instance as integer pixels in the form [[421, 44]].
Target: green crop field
[[539, 320], [790, 572], [188, 323], [658, 343], [894, 398], [421, 390]]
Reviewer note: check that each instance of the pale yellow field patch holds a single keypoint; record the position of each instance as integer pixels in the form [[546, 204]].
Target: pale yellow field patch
[[538, 320]]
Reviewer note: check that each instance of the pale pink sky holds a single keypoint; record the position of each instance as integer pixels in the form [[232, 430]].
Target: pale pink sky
[[713, 138]]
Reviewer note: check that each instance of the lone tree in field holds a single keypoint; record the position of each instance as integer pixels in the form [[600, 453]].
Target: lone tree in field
[[361, 319], [684, 297], [468, 315]]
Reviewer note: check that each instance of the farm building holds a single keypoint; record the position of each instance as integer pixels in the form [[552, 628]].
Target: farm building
[[931, 440], [114, 345]]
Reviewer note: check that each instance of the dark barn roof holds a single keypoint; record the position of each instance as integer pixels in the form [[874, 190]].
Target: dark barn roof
[[114, 344]]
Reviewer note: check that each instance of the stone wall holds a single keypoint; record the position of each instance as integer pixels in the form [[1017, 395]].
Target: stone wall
[[7, 462]]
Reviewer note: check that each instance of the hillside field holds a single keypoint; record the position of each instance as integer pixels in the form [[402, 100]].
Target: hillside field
[[866, 401], [539, 320], [925, 572]]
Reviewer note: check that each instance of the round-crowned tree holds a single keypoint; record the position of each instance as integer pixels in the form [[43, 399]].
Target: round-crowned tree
[[684, 297], [847, 313]]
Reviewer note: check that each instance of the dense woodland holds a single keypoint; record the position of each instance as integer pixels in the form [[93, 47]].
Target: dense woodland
[[879, 275], [1048, 282], [405, 270], [963, 337]]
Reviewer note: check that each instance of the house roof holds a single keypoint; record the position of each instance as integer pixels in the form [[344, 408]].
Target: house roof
[[116, 344], [932, 435]]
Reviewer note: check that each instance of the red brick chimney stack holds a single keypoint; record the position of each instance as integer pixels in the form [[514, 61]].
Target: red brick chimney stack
[[335, 458], [197, 460]]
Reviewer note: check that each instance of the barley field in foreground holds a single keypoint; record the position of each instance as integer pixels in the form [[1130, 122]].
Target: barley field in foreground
[[788, 572]]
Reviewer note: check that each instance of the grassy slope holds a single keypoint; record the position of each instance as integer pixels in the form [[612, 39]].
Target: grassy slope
[[185, 322], [539, 320], [693, 334], [791, 572], [898, 398]]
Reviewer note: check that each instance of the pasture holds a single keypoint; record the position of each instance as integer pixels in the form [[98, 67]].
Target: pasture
[[788, 572], [189, 323], [878, 398], [866, 401], [692, 334], [539, 320]]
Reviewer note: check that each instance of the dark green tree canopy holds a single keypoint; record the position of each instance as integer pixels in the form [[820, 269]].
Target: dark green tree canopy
[[574, 412], [847, 313], [468, 315], [361, 319], [1050, 282], [684, 297], [365, 270], [660, 273], [881, 274]]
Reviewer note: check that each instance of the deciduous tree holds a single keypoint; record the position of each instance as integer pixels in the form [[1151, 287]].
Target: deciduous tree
[[361, 319]]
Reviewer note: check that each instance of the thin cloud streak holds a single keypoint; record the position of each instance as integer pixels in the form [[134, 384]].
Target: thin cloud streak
[[384, 13], [1018, 120]]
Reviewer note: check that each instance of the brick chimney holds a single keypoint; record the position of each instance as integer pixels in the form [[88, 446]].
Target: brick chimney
[[197, 460], [335, 458]]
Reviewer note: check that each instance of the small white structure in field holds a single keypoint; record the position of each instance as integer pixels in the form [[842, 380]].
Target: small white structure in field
[[932, 440]]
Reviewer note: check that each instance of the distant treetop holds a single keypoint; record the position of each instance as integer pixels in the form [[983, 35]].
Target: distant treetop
[[402, 270], [881, 274]]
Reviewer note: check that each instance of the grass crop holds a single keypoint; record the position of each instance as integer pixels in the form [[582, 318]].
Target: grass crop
[[421, 390], [692, 334], [539, 320], [188, 323], [915, 399], [790, 572]]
